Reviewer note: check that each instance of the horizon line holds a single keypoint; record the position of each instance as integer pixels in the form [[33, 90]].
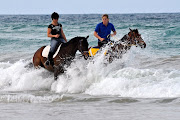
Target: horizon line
[[85, 13]]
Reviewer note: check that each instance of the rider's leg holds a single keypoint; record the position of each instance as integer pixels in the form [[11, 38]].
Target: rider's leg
[[54, 44], [62, 40], [102, 43]]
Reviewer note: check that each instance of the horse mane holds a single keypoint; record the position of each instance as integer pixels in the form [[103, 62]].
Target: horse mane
[[72, 41], [124, 38]]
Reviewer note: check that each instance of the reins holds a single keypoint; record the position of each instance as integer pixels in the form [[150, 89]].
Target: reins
[[80, 49]]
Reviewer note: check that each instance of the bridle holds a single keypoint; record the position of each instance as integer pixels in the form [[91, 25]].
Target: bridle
[[80, 48], [134, 39]]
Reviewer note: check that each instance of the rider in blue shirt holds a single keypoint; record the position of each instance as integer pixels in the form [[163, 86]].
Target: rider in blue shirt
[[104, 29]]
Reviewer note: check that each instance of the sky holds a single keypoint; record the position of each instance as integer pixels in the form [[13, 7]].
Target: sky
[[88, 6]]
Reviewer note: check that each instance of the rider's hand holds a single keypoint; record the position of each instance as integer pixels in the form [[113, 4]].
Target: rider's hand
[[101, 39], [57, 35], [112, 35]]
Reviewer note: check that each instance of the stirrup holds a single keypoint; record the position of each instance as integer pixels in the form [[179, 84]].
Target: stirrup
[[47, 63]]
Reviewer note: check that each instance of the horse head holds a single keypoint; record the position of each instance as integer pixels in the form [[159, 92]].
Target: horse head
[[135, 38], [83, 46]]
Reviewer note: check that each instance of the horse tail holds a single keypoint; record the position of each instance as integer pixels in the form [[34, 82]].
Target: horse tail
[[29, 65]]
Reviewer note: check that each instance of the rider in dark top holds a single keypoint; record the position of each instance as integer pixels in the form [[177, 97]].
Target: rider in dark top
[[55, 29], [55, 32]]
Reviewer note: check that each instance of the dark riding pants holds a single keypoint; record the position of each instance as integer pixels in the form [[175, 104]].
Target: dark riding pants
[[101, 43]]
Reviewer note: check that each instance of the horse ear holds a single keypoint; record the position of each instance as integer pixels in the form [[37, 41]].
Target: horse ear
[[87, 37], [130, 29]]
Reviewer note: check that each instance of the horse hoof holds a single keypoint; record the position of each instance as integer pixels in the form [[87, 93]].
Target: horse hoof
[[55, 78]]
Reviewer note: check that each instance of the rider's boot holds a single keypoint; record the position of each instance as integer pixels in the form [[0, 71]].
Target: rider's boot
[[50, 59]]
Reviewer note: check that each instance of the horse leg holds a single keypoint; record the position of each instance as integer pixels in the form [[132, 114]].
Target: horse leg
[[58, 70], [37, 63], [110, 59]]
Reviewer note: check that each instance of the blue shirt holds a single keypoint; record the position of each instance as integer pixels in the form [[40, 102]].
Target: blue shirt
[[103, 31]]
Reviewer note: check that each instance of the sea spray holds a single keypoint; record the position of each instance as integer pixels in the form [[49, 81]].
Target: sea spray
[[17, 77], [124, 77]]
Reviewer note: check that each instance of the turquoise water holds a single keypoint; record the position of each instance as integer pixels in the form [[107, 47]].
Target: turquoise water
[[143, 84], [27, 32]]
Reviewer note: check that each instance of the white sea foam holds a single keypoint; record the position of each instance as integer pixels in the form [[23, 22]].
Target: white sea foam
[[30, 98], [124, 77], [16, 77], [135, 75]]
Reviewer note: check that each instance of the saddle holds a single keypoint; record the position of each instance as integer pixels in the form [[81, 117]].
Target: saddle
[[93, 50], [46, 50]]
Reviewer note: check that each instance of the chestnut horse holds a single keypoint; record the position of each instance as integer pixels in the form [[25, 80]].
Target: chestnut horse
[[65, 55]]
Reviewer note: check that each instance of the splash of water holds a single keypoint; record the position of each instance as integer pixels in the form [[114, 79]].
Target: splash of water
[[134, 75]]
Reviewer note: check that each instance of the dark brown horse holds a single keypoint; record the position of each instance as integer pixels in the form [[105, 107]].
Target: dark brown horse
[[133, 38], [65, 55]]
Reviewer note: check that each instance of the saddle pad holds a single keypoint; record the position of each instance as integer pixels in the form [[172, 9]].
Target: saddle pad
[[46, 50], [93, 51]]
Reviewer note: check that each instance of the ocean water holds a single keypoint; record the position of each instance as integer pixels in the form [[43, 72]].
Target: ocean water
[[143, 84]]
